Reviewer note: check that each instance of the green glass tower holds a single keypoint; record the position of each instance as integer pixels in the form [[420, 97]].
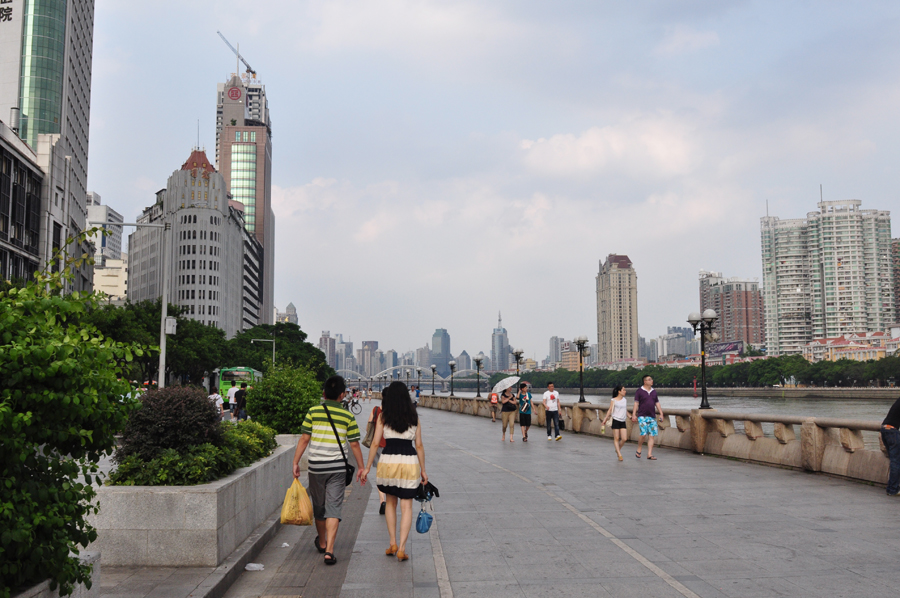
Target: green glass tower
[[43, 68]]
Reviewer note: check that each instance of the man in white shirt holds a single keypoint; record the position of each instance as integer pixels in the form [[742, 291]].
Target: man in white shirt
[[219, 402], [551, 410], [231, 392]]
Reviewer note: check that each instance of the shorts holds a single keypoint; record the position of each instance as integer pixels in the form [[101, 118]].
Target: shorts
[[524, 419], [648, 426], [326, 491], [618, 425], [495, 408]]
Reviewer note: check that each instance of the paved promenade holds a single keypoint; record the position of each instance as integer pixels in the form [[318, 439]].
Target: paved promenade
[[568, 519]]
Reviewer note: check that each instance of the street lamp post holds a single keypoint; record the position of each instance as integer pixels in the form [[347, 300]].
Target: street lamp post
[[433, 369], [704, 323], [479, 359], [265, 340], [518, 355], [407, 378], [452, 365], [418, 377], [581, 342]]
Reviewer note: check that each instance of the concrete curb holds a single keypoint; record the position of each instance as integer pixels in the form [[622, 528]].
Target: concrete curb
[[217, 584]]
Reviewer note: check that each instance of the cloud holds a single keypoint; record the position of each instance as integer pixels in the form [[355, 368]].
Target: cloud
[[680, 39], [641, 146]]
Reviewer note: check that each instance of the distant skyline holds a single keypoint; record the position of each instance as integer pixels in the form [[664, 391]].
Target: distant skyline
[[435, 162]]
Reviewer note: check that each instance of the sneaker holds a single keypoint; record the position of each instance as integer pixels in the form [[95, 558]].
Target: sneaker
[[559, 437], [549, 437]]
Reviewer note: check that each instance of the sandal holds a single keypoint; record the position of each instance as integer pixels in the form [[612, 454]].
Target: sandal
[[637, 454], [652, 458], [402, 556], [391, 551], [329, 559], [319, 548]]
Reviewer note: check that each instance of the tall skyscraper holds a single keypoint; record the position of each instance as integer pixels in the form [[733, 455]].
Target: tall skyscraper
[[739, 304], [463, 362], [440, 351], [617, 315], [45, 93], [555, 354], [826, 275], [327, 346], [244, 156], [20, 205], [288, 315], [108, 246], [214, 263], [499, 347], [895, 267], [423, 357]]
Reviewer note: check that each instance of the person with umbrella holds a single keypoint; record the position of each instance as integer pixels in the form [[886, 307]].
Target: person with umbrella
[[508, 404]]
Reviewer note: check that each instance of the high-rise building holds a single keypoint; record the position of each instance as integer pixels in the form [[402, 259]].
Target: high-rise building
[[107, 245], [555, 353], [20, 206], [826, 275], [390, 359], [45, 91], [244, 156], [617, 315], [440, 351], [423, 357], [289, 315], [112, 279], [499, 348], [463, 362], [327, 346], [895, 267], [739, 305], [214, 263]]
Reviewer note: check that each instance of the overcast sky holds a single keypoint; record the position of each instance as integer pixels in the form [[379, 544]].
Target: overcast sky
[[436, 162]]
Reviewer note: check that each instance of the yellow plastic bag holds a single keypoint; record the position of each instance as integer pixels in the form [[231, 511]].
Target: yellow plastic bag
[[297, 508]]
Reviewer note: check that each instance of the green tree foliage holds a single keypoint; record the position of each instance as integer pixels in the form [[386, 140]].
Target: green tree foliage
[[290, 347], [176, 417], [282, 398], [62, 400]]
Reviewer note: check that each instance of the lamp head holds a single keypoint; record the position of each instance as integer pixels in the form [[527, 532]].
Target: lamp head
[[694, 318], [710, 316], [433, 367]]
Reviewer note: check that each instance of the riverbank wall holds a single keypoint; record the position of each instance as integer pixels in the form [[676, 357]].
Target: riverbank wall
[[767, 393]]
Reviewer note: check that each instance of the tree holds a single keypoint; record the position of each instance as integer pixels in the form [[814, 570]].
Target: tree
[[195, 350], [281, 399], [290, 346]]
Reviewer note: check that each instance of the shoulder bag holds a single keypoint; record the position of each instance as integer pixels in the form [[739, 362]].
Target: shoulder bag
[[350, 469], [370, 431]]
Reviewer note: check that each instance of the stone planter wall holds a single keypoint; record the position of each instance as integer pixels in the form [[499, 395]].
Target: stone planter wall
[[190, 526], [42, 590]]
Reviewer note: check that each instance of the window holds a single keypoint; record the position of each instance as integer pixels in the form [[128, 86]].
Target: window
[[237, 135], [246, 136]]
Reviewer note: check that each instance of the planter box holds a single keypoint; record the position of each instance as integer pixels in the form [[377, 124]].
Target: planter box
[[190, 526], [42, 590]]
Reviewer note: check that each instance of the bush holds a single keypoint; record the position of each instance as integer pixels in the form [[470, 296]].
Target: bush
[[281, 399], [242, 444], [61, 404], [177, 417]]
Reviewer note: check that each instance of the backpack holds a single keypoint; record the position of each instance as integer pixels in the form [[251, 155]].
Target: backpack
[[494, 398]]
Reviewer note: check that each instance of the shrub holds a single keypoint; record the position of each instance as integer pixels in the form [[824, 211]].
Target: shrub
[[61, 403], [242, 444], [281, 399], [177, 417]]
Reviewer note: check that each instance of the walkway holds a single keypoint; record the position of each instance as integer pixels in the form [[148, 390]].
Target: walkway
[[567, 519]]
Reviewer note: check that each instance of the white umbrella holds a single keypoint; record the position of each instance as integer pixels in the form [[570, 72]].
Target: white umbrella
[[505, 383]]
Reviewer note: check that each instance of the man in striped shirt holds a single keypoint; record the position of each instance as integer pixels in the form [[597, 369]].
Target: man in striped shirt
[[326, 465]]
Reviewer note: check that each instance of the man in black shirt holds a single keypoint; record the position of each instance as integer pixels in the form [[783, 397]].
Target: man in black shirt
[[890, 435], [241, 398]]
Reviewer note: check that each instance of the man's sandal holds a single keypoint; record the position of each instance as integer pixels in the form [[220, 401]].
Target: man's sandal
[[637, 454], [318, 547], [329, 559]]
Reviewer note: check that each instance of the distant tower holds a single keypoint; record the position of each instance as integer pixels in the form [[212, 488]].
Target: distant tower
[[499, 347], [440, 351], [617, 316]]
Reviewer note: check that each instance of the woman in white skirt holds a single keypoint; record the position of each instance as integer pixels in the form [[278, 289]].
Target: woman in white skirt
[[401, 466]]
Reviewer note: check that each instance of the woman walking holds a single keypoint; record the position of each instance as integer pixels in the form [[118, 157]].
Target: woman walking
[[373, 417], [401, 466], [618, 412], [523, 398], [508, 410]]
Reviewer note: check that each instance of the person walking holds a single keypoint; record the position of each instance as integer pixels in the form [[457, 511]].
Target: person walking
[[373, 417], [890, 435], [495, 406], [551, 410], [523, 398], [401, 466], [618, 412], [219, 402], [508, 410], [231, 400], [646, 405], [241, 405], [325, 430]]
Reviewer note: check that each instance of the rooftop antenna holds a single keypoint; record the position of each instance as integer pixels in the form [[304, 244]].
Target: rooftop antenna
[[238, 54], [767, 207], [198, 133], [820, 192]]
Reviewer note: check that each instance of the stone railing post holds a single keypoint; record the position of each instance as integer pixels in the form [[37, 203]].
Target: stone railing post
[[682, 423], [540, 414], [699, 430], [812, 445], [851, 440], [577, 418], [753, 430], [784, 432]]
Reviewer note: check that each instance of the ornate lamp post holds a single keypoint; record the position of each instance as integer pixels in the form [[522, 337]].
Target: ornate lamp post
[[452, 365], [581, 342], [407, 378], [704, 323], [479, 359], [518, 355], [418, 377], [433, 369]]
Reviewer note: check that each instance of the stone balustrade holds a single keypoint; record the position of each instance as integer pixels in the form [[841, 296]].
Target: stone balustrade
[[817, 444]]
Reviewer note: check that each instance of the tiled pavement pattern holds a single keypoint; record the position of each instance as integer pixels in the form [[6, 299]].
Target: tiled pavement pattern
[[568, 519]]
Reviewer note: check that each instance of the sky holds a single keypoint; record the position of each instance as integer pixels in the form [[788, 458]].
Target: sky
[[438, 162]]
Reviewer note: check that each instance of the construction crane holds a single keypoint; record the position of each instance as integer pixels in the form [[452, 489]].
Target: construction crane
[[238, 54]]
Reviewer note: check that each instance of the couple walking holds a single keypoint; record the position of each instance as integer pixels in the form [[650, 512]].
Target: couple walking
[[330, 426], [509, 406], [644, 413]]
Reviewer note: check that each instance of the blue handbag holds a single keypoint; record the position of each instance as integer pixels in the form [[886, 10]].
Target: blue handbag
[[423, 521]]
